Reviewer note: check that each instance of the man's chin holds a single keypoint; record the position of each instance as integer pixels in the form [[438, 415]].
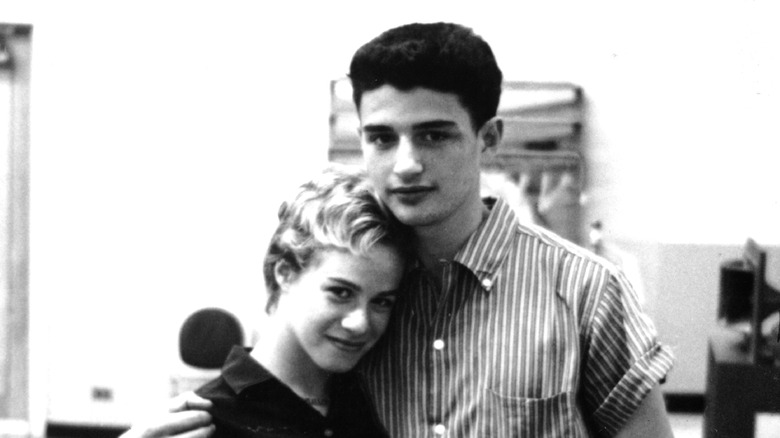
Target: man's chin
[[413, 217]]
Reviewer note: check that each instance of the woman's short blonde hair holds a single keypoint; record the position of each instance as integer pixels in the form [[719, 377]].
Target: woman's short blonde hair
[[336, 210]]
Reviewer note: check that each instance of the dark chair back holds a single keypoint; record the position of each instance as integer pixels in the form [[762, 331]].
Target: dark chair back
[[207, 336]]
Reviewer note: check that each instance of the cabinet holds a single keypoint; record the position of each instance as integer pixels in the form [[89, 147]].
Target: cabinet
[[738, 388]]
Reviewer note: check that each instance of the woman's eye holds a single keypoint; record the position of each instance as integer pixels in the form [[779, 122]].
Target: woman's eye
[[340, 293]]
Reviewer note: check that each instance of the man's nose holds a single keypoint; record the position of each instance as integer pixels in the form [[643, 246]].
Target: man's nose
[[356, 320], [407, 158]]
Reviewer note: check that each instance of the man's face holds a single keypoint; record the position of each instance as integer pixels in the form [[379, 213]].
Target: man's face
[[421, 153]]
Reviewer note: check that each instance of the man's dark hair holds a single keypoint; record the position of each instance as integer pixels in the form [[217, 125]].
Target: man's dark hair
[[444, 57]]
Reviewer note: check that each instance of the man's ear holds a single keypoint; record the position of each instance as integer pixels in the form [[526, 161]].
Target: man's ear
[[491, 133], [284, 274]]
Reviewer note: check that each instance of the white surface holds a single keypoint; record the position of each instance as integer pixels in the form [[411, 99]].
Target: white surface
[[687, 425], [767, 425]]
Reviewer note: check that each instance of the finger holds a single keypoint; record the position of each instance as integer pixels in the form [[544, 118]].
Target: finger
[[196, 402], [203, 432], [181, 423], [188, 401]]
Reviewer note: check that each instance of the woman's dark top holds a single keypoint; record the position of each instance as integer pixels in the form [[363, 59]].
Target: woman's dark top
[[250, 402]]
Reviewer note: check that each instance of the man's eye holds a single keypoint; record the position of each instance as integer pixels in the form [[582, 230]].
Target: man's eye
[[434, 136], [381, 139]]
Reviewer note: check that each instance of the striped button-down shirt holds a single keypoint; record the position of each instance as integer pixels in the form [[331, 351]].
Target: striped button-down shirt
[[528, 336]]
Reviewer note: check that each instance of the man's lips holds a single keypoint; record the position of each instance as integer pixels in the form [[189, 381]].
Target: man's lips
[[410, 190]]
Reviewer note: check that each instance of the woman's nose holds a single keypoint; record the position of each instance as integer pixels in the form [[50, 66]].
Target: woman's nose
[[356, 320]]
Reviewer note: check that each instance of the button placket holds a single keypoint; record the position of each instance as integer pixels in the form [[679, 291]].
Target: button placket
[[438, 357]]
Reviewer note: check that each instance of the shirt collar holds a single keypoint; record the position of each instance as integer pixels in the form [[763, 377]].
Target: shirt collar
[[241, 371], [485, 250]]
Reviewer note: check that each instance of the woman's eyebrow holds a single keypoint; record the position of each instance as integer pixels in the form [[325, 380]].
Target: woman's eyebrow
[[345, 282]]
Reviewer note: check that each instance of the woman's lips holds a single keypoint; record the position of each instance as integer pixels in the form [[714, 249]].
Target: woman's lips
[[347, 345]]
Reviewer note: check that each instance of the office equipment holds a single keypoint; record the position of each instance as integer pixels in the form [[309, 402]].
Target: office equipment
[[743, 370], [738, 390], [746, 302]]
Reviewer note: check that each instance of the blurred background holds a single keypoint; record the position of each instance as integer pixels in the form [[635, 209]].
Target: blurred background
[[153, 142]]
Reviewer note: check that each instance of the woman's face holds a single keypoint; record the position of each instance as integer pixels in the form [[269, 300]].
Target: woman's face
[[335, 310]]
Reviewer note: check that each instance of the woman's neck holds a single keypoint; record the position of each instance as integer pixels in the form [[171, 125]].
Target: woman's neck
[[292, 366]]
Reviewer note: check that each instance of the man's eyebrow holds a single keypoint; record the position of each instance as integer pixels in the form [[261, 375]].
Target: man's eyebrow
[[435, 124], [376, 128], [430, 124]]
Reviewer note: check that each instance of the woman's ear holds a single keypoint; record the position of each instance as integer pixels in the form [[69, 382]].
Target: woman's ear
[[491, 133], [284, 274]]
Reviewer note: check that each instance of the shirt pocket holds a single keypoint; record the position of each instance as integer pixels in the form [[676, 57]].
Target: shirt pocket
[[555, 416]]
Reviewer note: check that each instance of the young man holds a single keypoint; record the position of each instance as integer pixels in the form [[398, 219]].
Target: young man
[[505, 329]]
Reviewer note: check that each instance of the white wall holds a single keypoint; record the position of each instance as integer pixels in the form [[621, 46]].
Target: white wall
[[162, 133]]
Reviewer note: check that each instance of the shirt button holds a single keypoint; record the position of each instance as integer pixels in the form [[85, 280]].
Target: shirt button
[[438, 344], [487, 283], [328, 432], [439, 429]]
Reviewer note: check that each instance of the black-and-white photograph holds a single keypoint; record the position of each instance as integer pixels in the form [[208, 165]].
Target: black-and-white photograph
[[399, 219]]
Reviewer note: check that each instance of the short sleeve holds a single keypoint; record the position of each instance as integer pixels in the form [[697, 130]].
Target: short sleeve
[[622, 357]]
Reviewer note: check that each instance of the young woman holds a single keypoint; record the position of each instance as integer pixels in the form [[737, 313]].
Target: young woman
[[332, 271]]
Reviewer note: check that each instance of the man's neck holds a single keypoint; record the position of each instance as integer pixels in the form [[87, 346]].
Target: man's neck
[[441, 241]]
